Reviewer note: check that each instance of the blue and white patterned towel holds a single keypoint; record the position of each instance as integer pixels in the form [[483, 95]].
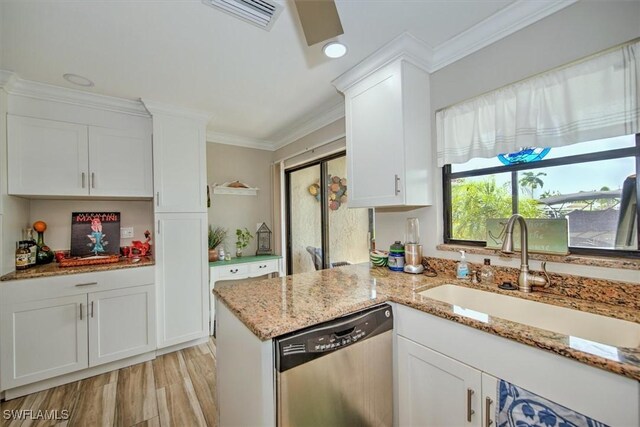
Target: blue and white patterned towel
[[520, 408]]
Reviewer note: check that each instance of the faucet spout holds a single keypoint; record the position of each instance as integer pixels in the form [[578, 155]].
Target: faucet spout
[[526, 280]]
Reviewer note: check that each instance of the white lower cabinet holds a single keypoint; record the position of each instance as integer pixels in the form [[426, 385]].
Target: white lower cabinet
[[435, 390], [58, 325], [43, 339], [121, 323], [448, 374]]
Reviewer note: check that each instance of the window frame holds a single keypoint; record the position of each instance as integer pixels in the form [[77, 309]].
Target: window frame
[[448, 176]]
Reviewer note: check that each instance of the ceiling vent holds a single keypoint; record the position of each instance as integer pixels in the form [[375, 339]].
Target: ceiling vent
[[260, 13]]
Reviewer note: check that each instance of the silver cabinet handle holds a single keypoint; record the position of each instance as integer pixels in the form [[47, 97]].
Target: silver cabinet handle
[[79, 285], [262, 266], [470, 411], [487, 412], [83, 179], [158, 226], [234, 271], [91, 308], [93, 180], [157, 198], [80, 311], [397, 185]]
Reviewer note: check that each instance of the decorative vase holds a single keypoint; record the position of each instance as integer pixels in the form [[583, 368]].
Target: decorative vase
[[44, 254], [213, 255], [238, 252]]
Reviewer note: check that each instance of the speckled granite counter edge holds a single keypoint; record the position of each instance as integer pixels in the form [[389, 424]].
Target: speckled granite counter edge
[[50, 270], [524, 334]]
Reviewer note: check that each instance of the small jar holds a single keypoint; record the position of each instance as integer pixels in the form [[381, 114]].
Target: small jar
[[22, 256]]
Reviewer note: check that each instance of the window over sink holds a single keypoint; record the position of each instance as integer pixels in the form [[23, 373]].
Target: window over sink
[[593, 184]]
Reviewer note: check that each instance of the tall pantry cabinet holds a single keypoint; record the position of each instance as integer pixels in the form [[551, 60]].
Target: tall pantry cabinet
[[179, 175]]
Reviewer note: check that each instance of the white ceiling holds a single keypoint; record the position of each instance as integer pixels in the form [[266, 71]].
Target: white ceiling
[[257, 84]]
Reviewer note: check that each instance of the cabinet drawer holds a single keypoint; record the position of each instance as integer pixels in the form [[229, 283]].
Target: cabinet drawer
[[23, 290], [263, 267], [234, 271]]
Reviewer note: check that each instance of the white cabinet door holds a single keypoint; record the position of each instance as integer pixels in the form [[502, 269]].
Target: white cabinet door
[[375, 149], [122, 323], [179, 164], [47, 158], [42, 339], [434, 390], [120, 163], [388, 131], [489, 400], [181, 277]]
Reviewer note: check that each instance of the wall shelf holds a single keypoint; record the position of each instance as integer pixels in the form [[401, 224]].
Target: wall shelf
[[237, 191]]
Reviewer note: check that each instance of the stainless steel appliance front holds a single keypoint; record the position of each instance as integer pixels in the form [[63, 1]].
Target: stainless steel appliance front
[[338, 373]]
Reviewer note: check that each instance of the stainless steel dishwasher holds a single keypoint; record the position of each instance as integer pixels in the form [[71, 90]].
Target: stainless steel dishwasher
[[337, 373]]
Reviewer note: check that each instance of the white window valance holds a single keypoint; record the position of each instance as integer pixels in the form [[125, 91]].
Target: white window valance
[[591, 99]]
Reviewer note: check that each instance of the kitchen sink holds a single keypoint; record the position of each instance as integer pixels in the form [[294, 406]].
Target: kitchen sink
[[578, 325]]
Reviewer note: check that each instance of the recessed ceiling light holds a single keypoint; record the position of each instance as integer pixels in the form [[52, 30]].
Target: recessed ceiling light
[[334, 49], [78, 80]]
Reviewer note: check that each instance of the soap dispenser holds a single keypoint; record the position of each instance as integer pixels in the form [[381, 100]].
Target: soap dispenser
[[463, 268]]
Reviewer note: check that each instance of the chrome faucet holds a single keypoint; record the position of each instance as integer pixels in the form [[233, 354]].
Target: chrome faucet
[[526, 280]]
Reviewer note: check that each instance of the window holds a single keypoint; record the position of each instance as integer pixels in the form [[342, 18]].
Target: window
[[592, 184]]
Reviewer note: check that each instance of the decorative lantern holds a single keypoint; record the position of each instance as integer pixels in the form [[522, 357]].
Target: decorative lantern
[[264, 240]]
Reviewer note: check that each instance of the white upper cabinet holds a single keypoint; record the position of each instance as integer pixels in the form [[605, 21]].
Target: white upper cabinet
[[179, 160], [46, 157], [388, 131], [120, 163], [52, 158]]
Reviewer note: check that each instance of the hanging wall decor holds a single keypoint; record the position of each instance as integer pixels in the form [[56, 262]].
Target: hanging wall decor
[[337, 191]]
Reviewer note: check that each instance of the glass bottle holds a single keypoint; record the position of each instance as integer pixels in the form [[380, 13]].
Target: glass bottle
[[487, 275], [44, 254]]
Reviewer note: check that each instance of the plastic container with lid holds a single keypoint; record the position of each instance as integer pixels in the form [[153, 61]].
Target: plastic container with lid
[[396, 257]]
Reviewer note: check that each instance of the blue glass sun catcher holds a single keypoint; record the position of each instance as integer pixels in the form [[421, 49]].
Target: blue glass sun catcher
[[526, 155]]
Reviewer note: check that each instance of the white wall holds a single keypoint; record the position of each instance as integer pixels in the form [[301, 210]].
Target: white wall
[[253, 167], [575, 32]]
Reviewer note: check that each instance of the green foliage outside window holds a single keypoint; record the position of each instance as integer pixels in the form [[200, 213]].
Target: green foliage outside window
[[474, 201]]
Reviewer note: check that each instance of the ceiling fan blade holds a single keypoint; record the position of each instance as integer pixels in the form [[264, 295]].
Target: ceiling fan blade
[[319, 19]]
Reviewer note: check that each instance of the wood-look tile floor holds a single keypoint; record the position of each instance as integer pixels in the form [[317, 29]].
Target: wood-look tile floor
[[176, 389]]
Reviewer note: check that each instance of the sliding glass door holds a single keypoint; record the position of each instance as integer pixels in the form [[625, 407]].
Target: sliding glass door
[[322, 232]]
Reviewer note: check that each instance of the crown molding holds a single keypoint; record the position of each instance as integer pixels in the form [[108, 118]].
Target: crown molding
[[239, 141], [405, 46], [16, 86], [158, 108], [501, 24], [309, 124]]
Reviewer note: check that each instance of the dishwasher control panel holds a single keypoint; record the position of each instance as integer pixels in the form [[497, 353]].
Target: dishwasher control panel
[[316, 341]]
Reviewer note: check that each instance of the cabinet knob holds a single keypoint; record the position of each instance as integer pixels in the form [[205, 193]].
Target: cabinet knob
[[262, 266]]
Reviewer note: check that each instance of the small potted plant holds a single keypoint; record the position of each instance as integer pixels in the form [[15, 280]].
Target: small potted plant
[[216, 238], [242, 240]]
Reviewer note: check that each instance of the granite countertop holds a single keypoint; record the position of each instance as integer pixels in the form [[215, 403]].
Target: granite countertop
[[53, 269], [274, 307]]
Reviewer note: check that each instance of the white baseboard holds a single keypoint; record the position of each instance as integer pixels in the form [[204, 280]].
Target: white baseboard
[[176, 347]]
